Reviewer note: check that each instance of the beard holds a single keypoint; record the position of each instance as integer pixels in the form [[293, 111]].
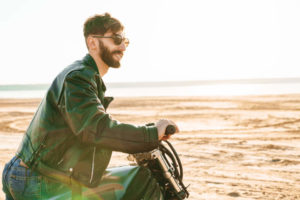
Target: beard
[[107, 56]]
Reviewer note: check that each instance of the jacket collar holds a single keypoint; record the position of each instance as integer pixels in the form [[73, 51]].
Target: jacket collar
[[88, 60]]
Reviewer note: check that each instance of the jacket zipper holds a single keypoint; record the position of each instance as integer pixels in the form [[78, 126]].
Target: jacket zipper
[[93, 165], [60, 161]]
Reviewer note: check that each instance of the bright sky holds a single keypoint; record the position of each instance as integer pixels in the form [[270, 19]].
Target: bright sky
[[169, 40]]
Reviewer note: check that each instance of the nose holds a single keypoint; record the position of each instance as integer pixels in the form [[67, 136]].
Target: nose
[[122, 46]]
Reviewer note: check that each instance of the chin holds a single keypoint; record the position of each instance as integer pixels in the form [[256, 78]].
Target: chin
[[115, 66]]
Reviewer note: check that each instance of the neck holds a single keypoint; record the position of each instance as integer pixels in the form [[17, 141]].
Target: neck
[[102, 66]]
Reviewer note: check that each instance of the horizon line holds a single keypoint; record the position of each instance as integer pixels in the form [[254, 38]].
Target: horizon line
[[169, 83]]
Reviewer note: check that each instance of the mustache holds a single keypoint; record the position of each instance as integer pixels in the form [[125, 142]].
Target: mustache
[[117, 52]]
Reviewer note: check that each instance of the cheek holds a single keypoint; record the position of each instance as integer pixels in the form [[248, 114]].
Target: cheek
[[99, 49], [94, 45]]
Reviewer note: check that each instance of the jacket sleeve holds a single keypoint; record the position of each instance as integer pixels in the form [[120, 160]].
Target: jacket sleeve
[[88, 120]]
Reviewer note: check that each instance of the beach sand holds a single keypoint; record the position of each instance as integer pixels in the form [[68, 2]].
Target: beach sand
[[245, 147]]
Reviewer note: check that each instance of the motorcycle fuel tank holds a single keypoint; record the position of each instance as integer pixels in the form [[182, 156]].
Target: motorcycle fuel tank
[[126, 183]]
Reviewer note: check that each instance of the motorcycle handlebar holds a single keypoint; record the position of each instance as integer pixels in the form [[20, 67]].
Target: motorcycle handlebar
[[170, 130]]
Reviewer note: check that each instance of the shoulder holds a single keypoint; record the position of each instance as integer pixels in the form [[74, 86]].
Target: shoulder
[[81, 73], [78, 74]]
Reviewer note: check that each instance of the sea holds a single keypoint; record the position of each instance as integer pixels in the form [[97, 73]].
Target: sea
[[237, 87]]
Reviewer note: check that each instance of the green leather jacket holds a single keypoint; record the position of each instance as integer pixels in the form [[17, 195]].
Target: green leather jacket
[[71, 137]]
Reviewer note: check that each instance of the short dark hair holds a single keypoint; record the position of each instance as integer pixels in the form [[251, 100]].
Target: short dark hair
[[100, 24]]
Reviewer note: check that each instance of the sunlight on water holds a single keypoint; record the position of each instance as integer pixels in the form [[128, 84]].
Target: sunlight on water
[[208, 90], [187, 90]]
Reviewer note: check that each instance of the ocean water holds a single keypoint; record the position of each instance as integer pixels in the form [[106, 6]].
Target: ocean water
[[184, 88]]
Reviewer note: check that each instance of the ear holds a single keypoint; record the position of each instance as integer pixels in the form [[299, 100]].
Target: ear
[[91, 43]]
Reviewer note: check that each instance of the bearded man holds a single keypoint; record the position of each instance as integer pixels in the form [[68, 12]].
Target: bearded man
[[71, 137]]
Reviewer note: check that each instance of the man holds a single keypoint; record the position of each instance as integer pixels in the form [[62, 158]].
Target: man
[[71, 136]]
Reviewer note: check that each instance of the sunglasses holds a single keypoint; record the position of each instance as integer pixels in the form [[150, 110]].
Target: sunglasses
[[118, 39]]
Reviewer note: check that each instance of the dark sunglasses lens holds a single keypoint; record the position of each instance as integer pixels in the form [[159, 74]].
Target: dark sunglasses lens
[[118, 39]]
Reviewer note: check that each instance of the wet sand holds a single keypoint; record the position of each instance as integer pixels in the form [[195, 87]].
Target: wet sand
[[245, 147]]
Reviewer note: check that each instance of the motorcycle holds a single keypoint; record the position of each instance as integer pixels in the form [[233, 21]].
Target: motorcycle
[[154, 175]]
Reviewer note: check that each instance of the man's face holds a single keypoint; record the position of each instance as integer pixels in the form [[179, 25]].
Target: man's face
[[110, 52]]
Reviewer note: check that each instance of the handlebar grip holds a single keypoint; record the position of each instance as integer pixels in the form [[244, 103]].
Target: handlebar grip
[[170, 130]]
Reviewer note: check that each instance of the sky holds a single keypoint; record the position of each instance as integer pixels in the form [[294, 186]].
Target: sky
[[170, 40]]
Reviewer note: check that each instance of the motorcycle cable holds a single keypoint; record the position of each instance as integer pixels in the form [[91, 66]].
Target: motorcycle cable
[[170, 155], [169, 131], [176, 163]]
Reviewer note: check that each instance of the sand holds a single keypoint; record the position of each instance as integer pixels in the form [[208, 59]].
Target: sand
[[245, 147]]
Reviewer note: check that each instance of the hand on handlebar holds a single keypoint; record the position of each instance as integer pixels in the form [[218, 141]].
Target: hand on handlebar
[[166, 128]]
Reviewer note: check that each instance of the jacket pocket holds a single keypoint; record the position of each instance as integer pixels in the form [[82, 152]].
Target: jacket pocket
[[24, 183]]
